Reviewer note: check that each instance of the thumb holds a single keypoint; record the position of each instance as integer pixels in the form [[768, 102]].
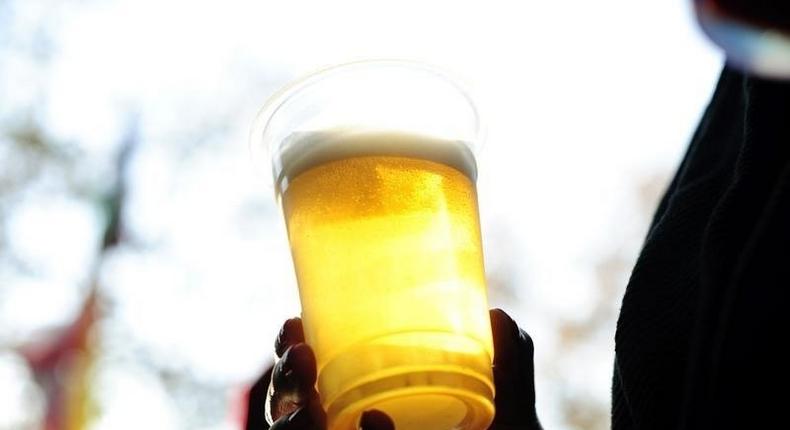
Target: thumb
[[514, 375]]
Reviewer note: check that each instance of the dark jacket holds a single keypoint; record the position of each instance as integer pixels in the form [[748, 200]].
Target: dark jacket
[[702, 337]]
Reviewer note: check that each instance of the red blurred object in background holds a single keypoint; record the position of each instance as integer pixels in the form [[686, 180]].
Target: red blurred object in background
[[62, 367]]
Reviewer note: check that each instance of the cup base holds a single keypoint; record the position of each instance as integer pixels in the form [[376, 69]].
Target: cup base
[[418, 400]]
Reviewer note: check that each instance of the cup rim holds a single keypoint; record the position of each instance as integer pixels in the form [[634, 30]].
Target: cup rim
[[271, 106]]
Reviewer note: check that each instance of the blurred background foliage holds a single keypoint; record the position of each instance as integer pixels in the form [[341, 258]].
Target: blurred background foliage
[[144, 270]]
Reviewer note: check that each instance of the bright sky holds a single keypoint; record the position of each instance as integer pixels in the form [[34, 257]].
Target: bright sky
[[581, 99]]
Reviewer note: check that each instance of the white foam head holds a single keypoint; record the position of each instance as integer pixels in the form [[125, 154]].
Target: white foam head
[[305, 150]]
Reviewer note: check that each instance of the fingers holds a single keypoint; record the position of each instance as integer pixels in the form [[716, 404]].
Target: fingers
[[291, 333], [289, 388], [505, 333], [514, 374], [376, 420], [293, 382], [292, 386], [513, 351], [295, 371]]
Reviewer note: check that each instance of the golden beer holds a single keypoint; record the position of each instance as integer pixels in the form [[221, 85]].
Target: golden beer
[[385, 238]]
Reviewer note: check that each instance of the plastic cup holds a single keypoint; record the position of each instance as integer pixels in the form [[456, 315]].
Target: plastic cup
[[374, 168]]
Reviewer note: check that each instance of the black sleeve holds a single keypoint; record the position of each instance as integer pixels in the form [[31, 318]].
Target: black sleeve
[[738, 362], [699, 340]]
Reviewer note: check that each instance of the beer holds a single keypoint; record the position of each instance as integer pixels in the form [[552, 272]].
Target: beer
[[385, 239]]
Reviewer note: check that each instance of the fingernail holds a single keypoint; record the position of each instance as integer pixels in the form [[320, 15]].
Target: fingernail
[[290, 333]]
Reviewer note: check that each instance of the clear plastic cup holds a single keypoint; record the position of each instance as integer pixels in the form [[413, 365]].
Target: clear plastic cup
[[374, 168]]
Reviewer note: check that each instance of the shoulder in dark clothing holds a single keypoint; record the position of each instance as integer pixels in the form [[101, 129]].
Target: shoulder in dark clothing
[[698, 341]]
